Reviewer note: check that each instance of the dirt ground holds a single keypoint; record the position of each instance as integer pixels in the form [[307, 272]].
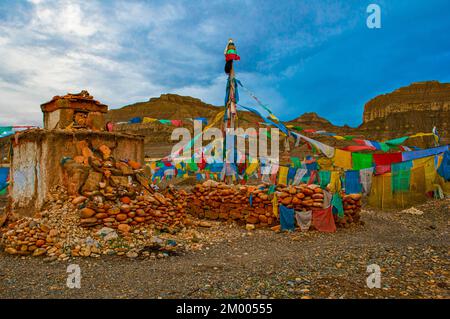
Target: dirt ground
[[412, 251]]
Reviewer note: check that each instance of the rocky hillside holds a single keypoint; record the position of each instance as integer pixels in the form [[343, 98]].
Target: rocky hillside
[[414, 108], [171, 107], [408, 110]]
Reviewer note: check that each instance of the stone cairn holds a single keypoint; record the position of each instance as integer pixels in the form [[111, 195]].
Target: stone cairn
[[117, 194], [352, 210]]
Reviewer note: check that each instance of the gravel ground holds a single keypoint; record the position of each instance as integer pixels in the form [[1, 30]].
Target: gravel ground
[[411, 250]]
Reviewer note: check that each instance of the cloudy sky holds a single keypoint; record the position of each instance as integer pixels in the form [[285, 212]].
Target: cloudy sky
[[296, 56]]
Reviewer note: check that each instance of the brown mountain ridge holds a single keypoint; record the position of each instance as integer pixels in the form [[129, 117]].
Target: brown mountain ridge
[[408, 110]]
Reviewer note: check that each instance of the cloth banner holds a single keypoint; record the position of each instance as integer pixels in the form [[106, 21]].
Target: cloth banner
[[4, 173], [401, 176], [324, 177], [299, 175], [444, 168], [335, 182], [6, 131], [342, 159], [352, 182], [338, 206], [407, 156], [365, 176], [362, 160], [304, 219], [327, 150], [287, 218], [327, 196], [323, 220]]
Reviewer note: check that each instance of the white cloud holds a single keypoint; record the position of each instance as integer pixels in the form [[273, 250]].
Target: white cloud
[[126, 51]]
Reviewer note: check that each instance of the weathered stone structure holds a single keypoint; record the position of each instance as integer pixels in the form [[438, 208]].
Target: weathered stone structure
[[37, 154], [78, 111]]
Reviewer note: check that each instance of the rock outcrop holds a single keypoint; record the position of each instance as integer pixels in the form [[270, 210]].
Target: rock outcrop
[[414, 108]]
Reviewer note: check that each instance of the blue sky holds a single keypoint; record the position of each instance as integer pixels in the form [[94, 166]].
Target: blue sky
[[296, 56]]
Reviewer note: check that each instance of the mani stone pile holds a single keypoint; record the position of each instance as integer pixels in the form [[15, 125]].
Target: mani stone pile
[[56, 233], [117, 194], [352, 209], [253, 205], [104, 207]]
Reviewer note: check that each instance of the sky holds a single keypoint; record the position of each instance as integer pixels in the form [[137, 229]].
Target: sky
[[296, 56]]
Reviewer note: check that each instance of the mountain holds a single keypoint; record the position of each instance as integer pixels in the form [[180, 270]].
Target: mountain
[[406, 111], [169, 107], [312, 120]]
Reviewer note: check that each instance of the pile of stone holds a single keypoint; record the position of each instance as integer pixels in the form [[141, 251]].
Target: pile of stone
[[250, 204], [56, 233], [352, 210], [117, 194], [28, 236]]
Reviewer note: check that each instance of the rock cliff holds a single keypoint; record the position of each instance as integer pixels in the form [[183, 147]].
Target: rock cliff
[[414, 108]]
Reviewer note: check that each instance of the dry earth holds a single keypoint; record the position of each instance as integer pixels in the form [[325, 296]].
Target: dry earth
[[412, 251]]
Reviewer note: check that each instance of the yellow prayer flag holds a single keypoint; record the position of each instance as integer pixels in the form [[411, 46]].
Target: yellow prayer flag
[[342, 159], [148, 120], [251, 168], [275, 205], [282, 175], [215, 120], [335, 182]]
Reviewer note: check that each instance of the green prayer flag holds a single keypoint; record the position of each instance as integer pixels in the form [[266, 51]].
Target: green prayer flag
[[401, 176], [160, 164], [361, 161], [325, 177], [296, 163], [384, 147], [397, 141], [6, 130], [192, 166], [336, 202]]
